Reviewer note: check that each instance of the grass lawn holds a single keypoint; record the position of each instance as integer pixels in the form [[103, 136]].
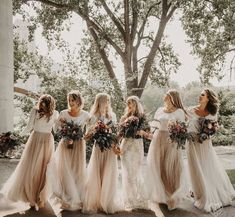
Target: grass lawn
[[231, 174]]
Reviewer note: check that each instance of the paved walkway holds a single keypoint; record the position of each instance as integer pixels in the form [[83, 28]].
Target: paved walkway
[[226, 154]]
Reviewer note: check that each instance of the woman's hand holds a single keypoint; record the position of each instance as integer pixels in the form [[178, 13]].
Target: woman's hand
[[88, 135], [62, 120], [144, 134], [116, 150], [140, 133]]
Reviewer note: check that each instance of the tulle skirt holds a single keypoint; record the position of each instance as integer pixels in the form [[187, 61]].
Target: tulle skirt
[[102, 183], [134, 191], [66, 175], [210, 183], [27, 183], [165, 171]]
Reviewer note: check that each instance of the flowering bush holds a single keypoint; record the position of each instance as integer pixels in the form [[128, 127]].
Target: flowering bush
[[8, 142], [207, 128], [70, 132]]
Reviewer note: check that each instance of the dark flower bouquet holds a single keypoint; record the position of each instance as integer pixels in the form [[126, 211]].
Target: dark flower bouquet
[[131, 125], [178, 133], [207, 128], [8, 142], [103, 135], [70, 131]]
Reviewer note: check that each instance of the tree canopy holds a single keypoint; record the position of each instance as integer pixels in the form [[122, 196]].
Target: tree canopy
[[122, 29]]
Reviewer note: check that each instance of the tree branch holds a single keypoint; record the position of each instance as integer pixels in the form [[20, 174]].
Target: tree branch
[[141, 29], [171, 12], [26, 92], [52, 4], [113, 18], [163, 58], [105, 59], [134, 20], [93, 25], [126, 19], [155, 46], [142, 58], [221, 54]]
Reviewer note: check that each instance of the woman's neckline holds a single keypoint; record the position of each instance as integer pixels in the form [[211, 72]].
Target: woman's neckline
[[163, 109], [79, 114]]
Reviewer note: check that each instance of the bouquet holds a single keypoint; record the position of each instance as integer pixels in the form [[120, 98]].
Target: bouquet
[[132, 124], [178, 133], [207, 128], [8, 142], [71, 131], [103, 135]]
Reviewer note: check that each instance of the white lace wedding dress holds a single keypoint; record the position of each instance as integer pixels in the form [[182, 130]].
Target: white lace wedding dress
[[134, 191]]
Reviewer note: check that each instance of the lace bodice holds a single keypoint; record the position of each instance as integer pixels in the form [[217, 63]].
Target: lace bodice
[[40, 124], [193, 120], [163, 117], [94, 119], [81, 120]]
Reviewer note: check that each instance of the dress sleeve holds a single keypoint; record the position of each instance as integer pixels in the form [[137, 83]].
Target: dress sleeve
[[157, 113], [114, 118], [57, 124], [181, 115], [55, 119], [91, 122], [31, 122]]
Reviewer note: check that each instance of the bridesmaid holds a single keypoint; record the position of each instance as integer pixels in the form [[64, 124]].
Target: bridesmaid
[[212, 188], [27, 183], [66, 171], [164, 161], [134, 192], [102, 180]]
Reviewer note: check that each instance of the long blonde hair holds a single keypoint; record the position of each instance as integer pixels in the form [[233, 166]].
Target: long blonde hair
[[176, 99], [77, 96], [48, 103], [100, 100], [139, 108]]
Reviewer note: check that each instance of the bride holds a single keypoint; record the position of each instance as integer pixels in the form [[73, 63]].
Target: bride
[[132, 155]]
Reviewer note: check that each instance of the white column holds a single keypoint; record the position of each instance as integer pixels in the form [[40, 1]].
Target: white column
[[6, 66]]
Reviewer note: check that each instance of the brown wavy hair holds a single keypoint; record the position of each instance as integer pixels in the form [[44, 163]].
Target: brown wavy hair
[[46, 106], [213, 103], [77, 96]]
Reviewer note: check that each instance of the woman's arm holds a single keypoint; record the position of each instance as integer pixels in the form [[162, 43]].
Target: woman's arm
[[31, 122]]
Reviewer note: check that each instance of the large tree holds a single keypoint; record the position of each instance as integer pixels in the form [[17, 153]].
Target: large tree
[[122, 28], [119, 26]]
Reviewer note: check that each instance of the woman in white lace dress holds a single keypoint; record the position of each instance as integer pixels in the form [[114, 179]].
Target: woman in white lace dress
[[132, 155], [67, 169], [27, 183], [165, 170], [102, 178], [212, 188]]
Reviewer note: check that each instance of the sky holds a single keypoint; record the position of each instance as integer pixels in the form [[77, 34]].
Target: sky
[[175, 35]]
